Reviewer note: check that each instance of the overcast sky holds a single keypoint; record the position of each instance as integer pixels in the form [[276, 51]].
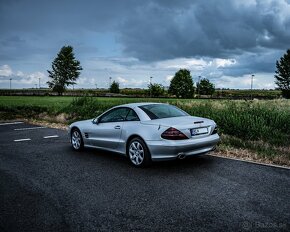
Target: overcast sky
[[225, 41]]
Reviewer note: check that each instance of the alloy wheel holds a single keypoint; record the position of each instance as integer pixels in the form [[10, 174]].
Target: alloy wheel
[[136, 153], [76, 140]]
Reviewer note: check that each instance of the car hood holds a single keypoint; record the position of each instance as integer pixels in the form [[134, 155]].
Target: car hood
[[181, 122]]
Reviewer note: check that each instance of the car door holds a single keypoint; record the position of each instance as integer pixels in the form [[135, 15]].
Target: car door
[[107, 132]]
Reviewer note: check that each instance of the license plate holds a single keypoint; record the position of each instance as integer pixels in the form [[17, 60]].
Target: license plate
[[199, 131]]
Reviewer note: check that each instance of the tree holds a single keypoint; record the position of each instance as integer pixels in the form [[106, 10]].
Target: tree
[[182, 85], [156, 90], [65, 70], [283, 74], [114, 88], [205, 87]]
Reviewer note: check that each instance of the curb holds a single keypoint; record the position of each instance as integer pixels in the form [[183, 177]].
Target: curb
[[252, 162]]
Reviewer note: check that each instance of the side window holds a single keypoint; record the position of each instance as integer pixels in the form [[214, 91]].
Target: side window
[[115, 115], [132, 116]]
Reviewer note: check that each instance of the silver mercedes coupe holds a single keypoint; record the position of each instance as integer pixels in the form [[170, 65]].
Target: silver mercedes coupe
[[146, 132]]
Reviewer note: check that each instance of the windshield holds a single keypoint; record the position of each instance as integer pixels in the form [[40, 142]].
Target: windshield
[[157, 111]]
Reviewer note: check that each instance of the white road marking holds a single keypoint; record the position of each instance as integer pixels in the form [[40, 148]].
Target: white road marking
[[51, 136], [10, 123], [20, 140], [252, 162], [30, 128]]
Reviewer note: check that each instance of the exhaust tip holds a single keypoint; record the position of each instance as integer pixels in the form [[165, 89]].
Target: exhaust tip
[[181, 156]]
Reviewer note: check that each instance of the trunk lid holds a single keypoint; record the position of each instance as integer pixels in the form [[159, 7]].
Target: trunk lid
[[181, 123]]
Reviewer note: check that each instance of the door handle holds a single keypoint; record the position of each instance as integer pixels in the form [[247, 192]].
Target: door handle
[[117, 127]]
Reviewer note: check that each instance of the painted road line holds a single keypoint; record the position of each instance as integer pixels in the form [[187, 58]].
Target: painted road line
[[30, 128], [10, 123], [252, 162], [21, 140], [51, 136]]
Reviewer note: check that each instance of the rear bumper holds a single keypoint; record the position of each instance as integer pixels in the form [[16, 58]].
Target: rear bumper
[[170, 149]]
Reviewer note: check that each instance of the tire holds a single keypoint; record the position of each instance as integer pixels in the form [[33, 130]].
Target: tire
[[76, 140], [138, 153]]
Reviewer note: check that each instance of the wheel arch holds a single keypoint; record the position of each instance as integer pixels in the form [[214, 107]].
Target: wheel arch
[[132, 137], [74, 128]]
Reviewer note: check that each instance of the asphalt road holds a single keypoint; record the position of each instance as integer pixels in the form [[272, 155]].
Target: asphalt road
[[46, 186]]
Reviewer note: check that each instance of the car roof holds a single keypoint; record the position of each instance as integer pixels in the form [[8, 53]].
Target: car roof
[[134, 105]]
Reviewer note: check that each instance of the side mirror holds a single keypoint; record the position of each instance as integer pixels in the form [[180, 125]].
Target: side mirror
[[95, 121]]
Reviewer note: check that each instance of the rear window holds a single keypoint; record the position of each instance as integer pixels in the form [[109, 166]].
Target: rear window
[[157, 111]]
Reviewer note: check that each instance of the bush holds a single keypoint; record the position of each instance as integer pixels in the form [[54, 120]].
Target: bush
[[156, 90], [205, 87], [84, 108], [286, 93], [114, 88]]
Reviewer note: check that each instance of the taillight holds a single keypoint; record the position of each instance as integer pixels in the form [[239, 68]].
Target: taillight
[[173, 134]]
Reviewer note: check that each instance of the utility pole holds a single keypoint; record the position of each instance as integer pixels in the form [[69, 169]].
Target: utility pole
[[110, 82], [35, 86], [39, 82], [10, 83], [252, 79], [150, 86], [198, 86]]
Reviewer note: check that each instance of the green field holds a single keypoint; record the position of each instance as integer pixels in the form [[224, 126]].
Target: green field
[[261, 126]]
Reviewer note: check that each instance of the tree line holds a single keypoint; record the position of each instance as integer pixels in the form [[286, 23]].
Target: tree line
[[66, 70], [181, 86]]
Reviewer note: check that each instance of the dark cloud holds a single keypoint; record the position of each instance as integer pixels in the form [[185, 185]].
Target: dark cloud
[[156, 30], [40, 28], [251, 63], [66, 15], [206, 28]]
